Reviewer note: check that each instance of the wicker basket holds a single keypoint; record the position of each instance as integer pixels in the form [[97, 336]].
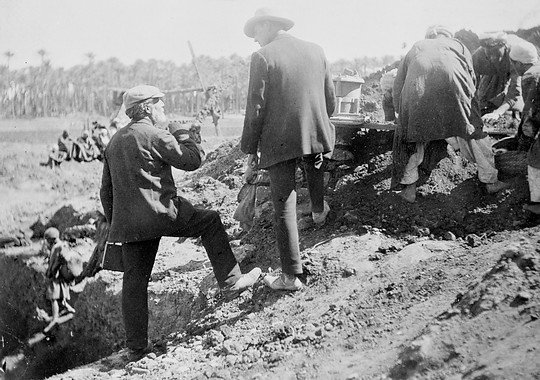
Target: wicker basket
[[512, 163]]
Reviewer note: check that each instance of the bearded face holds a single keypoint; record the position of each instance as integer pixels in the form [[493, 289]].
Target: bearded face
[[157, 114]]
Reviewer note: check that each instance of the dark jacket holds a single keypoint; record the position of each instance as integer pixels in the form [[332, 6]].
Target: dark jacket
[[290, 100], [497, 82], [531, 110], [138, 192], [433, 92]]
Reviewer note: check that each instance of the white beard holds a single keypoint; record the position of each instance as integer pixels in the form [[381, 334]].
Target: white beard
[[160, 119]]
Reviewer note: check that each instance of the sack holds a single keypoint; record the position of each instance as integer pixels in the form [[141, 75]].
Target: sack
[[72, 265], [112, 257], [245, 212]]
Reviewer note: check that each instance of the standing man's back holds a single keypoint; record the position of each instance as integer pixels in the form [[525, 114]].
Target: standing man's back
[[290, 101], [299, 100]]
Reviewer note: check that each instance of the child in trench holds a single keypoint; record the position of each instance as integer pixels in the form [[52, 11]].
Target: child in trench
[[58, 289]]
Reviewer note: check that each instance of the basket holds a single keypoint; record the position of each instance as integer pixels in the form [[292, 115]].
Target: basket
[[512, 163]]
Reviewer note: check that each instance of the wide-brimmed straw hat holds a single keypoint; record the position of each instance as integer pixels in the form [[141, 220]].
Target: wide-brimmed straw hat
[[266, 14]]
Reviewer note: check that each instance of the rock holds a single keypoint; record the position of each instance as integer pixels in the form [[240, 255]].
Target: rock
[[449, 236], [348, 272], [473, 240], [524, 295]]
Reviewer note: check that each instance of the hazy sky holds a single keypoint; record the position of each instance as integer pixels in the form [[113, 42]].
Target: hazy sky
[[69, 29]]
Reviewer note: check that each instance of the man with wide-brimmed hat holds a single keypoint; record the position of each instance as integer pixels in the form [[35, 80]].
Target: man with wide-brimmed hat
[[140, 201], [290, 101]]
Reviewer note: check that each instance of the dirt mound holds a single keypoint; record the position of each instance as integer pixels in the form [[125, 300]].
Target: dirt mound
[[446, 287]]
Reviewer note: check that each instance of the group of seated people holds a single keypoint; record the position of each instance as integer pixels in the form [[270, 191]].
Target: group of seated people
[[87, 147]]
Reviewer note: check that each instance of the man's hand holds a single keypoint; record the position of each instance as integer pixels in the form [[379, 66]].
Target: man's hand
[[178, 130], [195, 132], [528, 129], [492, 116], [252, 167]]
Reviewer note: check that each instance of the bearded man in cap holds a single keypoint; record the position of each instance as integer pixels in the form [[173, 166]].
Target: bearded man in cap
[[524, 57], [140, 202], [290, 101]]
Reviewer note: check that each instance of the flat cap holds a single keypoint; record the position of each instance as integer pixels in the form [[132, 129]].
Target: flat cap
[[141, 93]]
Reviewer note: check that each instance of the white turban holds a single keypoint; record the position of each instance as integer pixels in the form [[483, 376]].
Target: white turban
[[436, 30], [524, 52]]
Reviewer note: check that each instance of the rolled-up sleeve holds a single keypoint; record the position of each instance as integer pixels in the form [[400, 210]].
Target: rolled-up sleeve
[[256, 101]]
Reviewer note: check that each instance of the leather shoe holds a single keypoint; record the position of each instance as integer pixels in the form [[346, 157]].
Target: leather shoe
[[283, 282], [137, 354], [244, 282], [319, 218]]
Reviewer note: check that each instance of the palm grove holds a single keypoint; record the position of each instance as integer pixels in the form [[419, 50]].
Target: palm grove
[[45, 91]]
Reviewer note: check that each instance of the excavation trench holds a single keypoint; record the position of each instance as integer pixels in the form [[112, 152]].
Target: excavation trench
[[96, 329]]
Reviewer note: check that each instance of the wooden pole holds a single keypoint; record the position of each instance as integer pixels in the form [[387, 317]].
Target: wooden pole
[[195, 64]]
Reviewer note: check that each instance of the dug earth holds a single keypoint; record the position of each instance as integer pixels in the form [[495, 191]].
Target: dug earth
[[445, 288]]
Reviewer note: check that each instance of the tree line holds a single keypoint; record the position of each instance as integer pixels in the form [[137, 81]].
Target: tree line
[[95, 88]]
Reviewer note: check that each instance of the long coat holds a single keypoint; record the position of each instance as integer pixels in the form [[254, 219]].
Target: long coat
[[138, 192], [433, 92], [290, 100], [531, 110]]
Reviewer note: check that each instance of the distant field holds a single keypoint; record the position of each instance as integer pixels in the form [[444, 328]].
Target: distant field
[[45, 131], [27, 188]]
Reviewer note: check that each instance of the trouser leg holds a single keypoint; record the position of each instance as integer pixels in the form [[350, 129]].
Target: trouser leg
[[410, 174], [138, 261], [533, 177], [479, 152], [283, 190], [207, 224], [313, 167]]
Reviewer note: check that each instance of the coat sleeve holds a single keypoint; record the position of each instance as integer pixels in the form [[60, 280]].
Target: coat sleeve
[[256, 103], [399, 82], [513, 96], [329, 90], [178, 150], [106, 193]]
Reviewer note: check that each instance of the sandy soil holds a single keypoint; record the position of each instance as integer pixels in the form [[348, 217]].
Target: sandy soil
[[445, 288]]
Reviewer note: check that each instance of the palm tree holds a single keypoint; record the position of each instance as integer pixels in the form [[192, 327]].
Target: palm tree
[[91, 57], [9, 54], [42, 53]]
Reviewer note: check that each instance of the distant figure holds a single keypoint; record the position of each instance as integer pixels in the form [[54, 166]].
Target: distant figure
[[85, 149], [60, 152], [65, 144], [101, 136], [434, 97], [290, 100], [211, 107], [58, 292]]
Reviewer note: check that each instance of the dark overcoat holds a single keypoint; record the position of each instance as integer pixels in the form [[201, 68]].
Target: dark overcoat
[[433, 92], [531, 110], [290, 100], [138, 191]]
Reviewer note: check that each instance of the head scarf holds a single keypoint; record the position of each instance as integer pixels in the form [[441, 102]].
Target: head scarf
[[436, 30], [492, 39], [524, 52]]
